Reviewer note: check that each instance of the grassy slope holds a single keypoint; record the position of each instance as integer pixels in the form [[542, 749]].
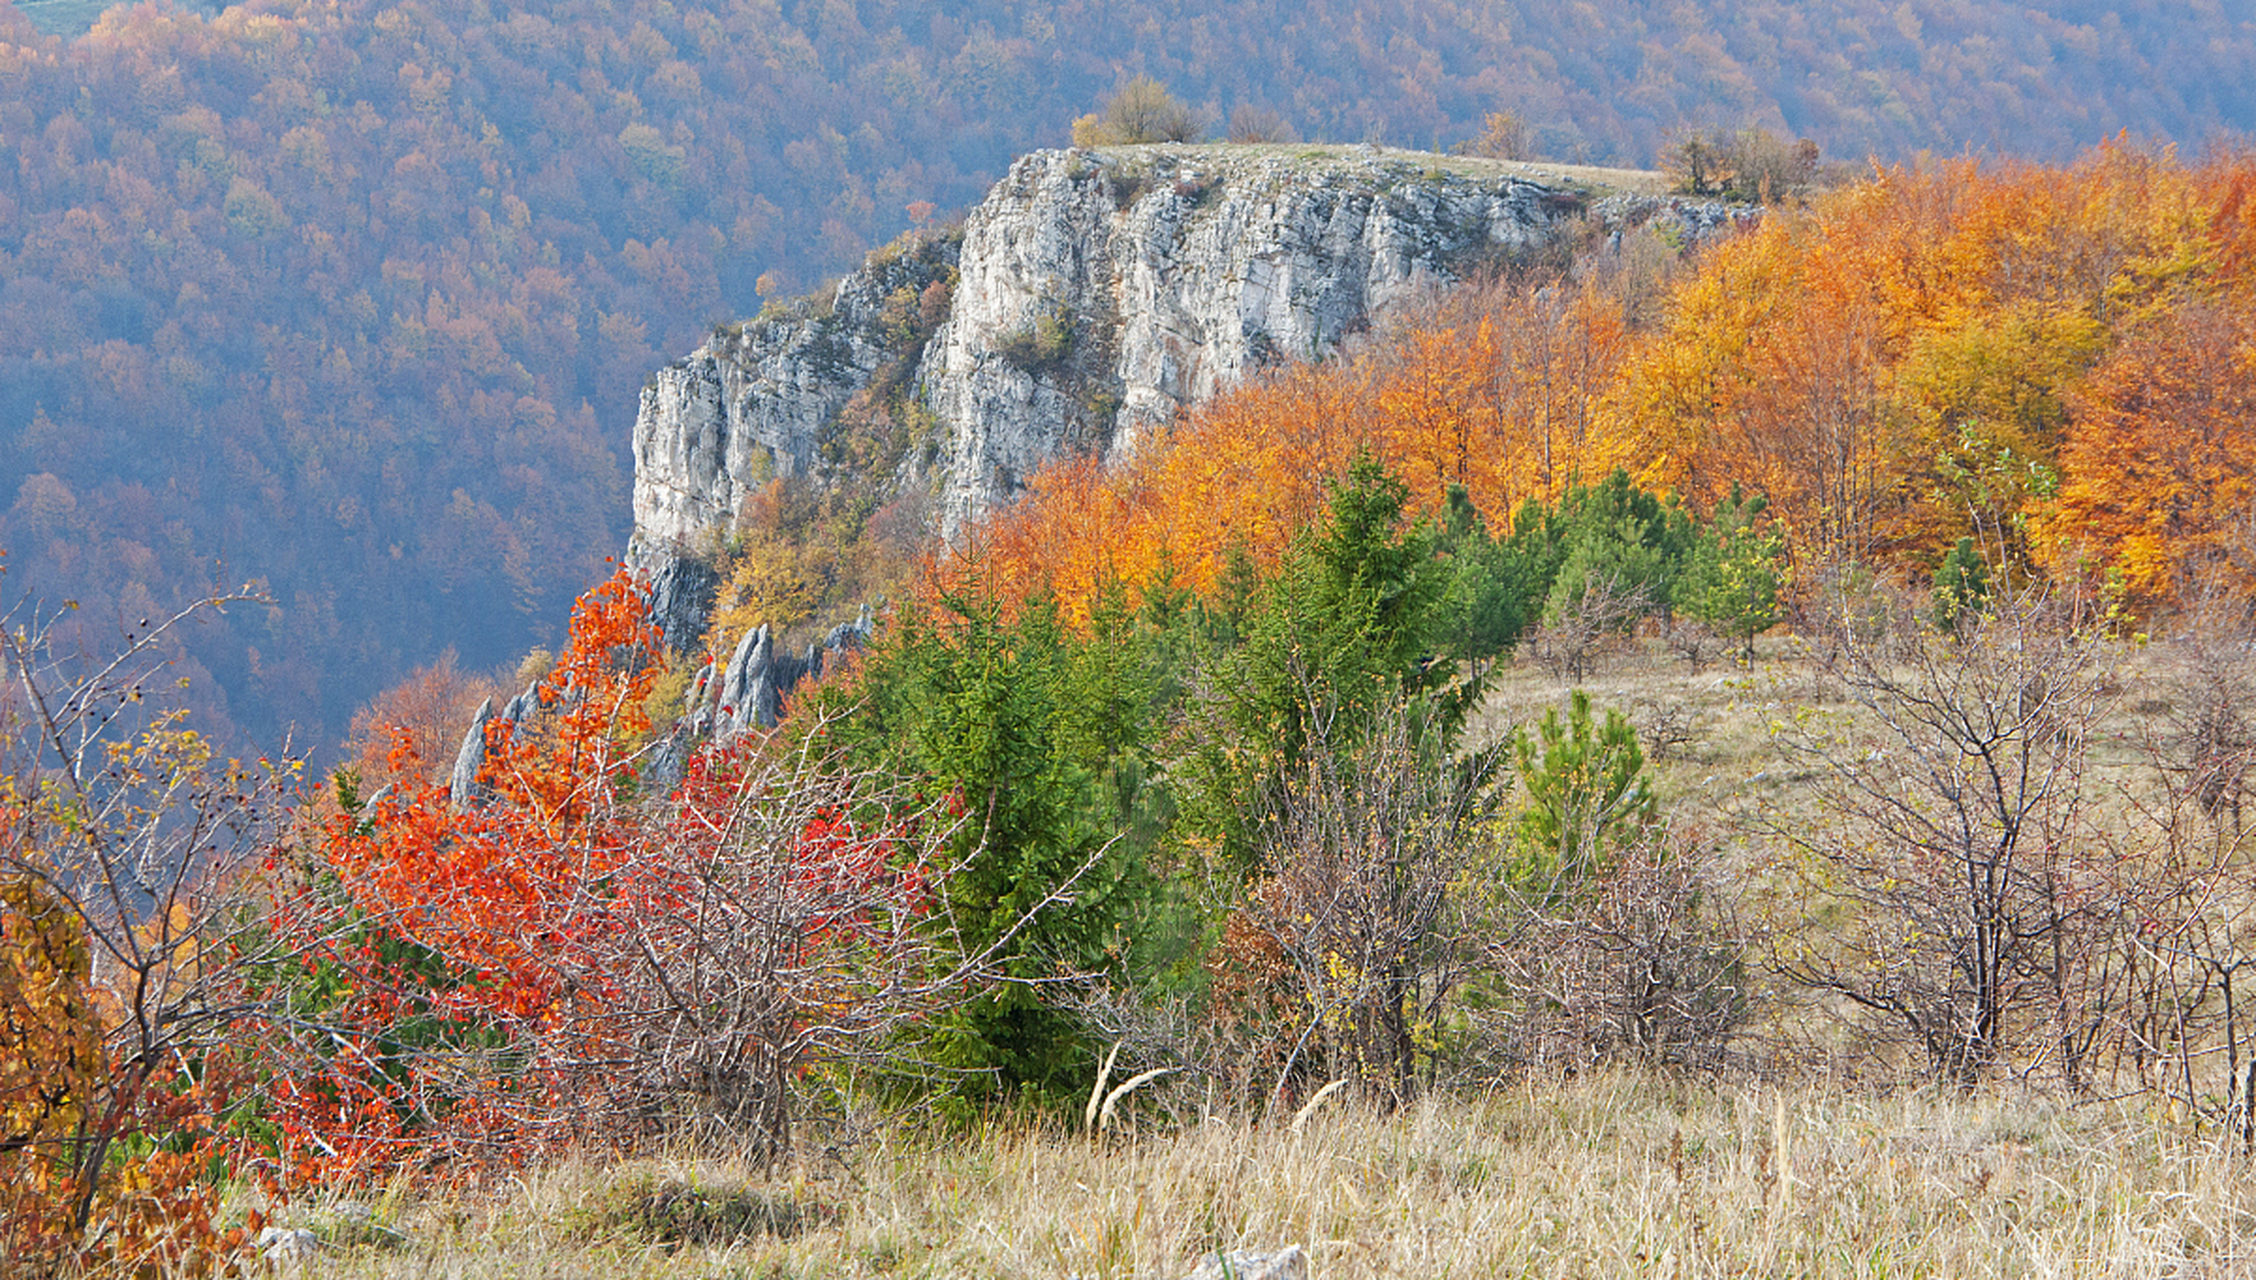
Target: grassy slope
[[1602, 1176]]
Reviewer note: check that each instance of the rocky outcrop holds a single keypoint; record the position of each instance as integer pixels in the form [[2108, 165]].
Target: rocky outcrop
[[725, 699], [1088, 298], [763, 399], [748, 690], [470, 761]]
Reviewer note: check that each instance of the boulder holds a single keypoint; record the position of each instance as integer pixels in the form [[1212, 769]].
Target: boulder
[[288, 1246]]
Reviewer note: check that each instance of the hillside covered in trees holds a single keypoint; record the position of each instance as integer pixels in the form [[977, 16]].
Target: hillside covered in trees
[[353, 300], [2053, 362], [1391, 738]]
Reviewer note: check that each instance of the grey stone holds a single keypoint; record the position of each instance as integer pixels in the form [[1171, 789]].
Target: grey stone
[[697, 705], [472, 757], [748, 690], [1288, 1263], [847, 637], [763, 695]]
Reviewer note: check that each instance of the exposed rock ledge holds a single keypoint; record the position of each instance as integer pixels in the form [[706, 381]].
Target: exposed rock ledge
[[1090, 296]]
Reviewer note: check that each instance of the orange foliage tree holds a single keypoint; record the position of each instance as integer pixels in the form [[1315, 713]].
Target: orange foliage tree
[[1490, 391], [1493, 391], [2161, 460], [1894, 366], [428, 712]]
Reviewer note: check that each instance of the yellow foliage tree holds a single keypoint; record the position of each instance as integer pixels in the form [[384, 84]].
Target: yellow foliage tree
[[50, 1071], [127, 945]]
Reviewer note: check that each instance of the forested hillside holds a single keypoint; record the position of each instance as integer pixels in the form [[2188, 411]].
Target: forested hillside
[[1390, 736], [354, 300], [2053, 363]]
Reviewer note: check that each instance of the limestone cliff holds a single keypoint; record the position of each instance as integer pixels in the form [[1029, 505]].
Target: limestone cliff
[[1091, 295], [1098, 292], [1101, 292], [764, 398]]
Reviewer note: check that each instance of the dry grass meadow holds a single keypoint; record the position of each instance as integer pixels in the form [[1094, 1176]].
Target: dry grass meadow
[[1601, 1176]]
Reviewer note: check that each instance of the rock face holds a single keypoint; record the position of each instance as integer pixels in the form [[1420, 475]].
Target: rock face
[[1088, 298], [1166, 275], [1085, 301], [762, 399]]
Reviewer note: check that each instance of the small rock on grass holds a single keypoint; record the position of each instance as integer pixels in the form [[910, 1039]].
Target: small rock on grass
[[1288, 1263], [288, 1244]]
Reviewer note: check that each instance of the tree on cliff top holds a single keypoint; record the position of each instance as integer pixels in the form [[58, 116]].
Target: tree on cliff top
[[1142, 111]]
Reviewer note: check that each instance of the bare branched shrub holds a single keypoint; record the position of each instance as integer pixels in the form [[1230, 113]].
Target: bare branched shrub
[[1641, 962], [1670, 728], [1250, 124], [1847, 608], [1694, 641], [1956, 866], [2181, 1020], [2211, 749], [1355, 919], [780, 915], [1570, 642]]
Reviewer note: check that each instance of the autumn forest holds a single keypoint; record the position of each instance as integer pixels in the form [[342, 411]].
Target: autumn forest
[[354, 302], [1690, 670]]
